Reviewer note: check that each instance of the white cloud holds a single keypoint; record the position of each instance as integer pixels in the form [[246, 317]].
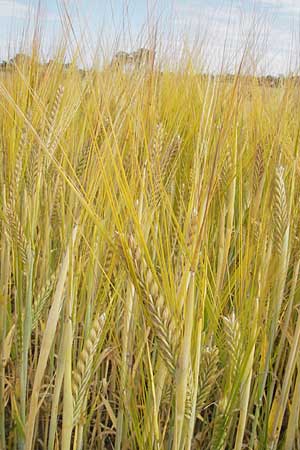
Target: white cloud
[[284, 6], [14, 9], [265, 26]]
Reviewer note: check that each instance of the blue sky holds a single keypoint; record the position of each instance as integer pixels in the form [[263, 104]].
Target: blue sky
[[268, 28]]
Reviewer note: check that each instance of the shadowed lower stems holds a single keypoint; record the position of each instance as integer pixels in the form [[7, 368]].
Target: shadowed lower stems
[[183, 365], [124, 368]]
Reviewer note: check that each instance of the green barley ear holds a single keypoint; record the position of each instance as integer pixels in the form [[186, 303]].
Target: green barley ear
[[83, 372], [280, 211], [158, 314], [43, 298]]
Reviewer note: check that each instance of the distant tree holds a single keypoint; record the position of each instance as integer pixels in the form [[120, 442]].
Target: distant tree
[[49, 63], [3, 66], [270, 81], [141, 58], [67, 66], [20, 59], [120, 59]]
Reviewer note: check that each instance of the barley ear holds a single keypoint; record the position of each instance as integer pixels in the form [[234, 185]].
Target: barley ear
[[233, 341], [208, 375], [53, 117], [280, 212], [83, 371], [259, 168], [16, 233], [157, 312]]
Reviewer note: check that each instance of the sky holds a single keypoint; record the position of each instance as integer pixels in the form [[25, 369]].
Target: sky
[[217, 33]]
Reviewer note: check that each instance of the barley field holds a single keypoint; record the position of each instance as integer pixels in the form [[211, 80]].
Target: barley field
[[150, 256]]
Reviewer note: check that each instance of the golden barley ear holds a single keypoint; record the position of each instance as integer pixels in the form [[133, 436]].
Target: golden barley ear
[[110, 262], [107, 273], [227, 171], [14, 226], [233, 342], [166, 169], [19, 160], [157, 145], [155, 155], [157, 312], [83, 160], [83, 371], [53, 118], [167, 394], [259, 168], [18, 337], [56, 212], [169, 158], [280, 211], [16, 233], [189, 397], [208, 375], [193, 228], [207, 379], [15, 181], [32, 170], [4, 161]]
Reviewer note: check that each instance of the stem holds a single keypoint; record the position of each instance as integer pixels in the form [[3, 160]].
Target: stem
[[245, 394], [294, 415], [290, 367], [124, 367], [182, 370]]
